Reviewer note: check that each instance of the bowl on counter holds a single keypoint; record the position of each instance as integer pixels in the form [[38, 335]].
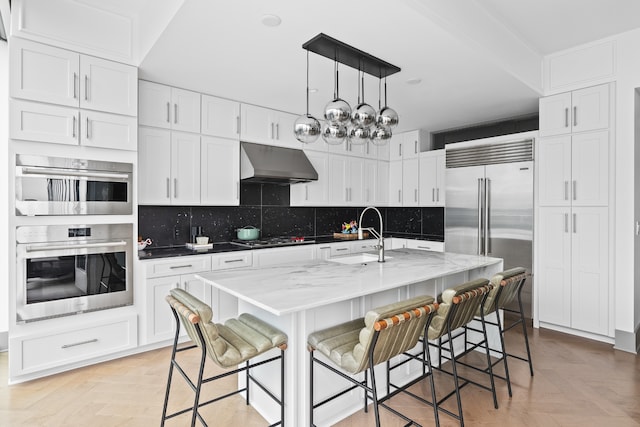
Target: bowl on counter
[[143, 244], [248, 233]]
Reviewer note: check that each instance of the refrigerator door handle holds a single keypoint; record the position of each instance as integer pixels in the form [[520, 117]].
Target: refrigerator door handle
[[487, 183], [480, 187]]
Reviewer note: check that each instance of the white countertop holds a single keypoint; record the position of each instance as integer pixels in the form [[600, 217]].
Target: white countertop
[[289, 288]]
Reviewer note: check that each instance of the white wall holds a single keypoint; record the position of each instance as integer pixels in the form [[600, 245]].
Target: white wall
[[4, 214]]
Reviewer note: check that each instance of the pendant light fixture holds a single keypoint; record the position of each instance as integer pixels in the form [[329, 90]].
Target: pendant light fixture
[[337, 113], [362, 117], [307, 128], [387, 116], [380, 134]]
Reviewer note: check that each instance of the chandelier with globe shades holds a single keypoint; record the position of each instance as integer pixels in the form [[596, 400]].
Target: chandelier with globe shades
[[361, 124]]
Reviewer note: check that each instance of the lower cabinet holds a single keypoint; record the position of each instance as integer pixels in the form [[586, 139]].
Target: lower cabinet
[[48, 349], [573, 274], [274, 256], [424, 245]]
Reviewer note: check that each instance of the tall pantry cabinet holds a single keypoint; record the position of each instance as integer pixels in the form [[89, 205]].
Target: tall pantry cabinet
[[573, 286]]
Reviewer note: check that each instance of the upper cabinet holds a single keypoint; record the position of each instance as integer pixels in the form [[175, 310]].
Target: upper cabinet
[[581, 110], [266, 126], [220, 117], [407, 145], [48, 74], [432, 171], [168, 107]]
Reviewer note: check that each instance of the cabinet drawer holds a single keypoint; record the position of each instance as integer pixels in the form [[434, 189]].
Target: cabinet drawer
[[338, 249], [425, 245], [180, 265], [232, 260], [49, 350]]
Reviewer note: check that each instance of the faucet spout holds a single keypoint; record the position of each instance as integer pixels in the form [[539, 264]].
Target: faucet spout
[[378, 235]]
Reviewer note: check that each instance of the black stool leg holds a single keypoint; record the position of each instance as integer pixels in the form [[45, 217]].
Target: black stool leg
[[433, 385], [203, 359], [524, 331], [489, 364], [504, 351], [247, 380], [173, 359], [311, 388], [282, 388], [455, 375]]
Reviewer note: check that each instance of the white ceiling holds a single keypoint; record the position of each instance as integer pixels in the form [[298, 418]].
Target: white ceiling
[[479, 60]]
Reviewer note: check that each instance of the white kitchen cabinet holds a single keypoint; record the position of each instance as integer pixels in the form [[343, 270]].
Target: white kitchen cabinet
[[273, 256], [410, 179], [346, 175], [367, 150], [220, 117], [314, 193], [266, 126], [382, 186], [574, 170], [573, 281], [424, 245], [34, 121], [407, 145], [220, 171], [169, 107], [168, 167], [49, 74], [432, 172], [370, 183], [395, 183], [581, 110]]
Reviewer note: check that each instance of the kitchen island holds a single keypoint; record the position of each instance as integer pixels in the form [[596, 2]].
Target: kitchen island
[[300, 298]]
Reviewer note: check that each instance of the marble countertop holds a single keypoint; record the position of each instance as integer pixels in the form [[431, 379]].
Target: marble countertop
[[289, 288]]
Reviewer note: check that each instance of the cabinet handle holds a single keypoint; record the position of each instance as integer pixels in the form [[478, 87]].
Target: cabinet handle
[[399, 196], [575, 116], [415, 195], [400, 150], [238, 125], [416, 147], [271, 136], [433, 194], [574, 189], [325, 247], [175, 267], [73, 127], [75, 83], [574, 224], [175, 188], [306, 192], [175, 113], [237, 190], [367, 194], [566, 117], [566, 190], [168, 112], [168, 188], [424, 247], [341, 249], [228, 261], [437, 194], [86, 87], [277, 131], [75, 344], [566, 223], [87, 128]]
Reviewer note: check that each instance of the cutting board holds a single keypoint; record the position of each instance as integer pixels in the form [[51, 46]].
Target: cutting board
[[350, 236]]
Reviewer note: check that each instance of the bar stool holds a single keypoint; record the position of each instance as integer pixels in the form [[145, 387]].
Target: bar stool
[[507, 285], [457, 308], [359, 345], [228, 345]]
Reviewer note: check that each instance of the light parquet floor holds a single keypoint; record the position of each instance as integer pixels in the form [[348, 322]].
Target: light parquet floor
[[577, 382]]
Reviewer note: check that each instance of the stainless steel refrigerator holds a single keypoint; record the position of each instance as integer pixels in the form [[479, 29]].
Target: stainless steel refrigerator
[[489, 202]]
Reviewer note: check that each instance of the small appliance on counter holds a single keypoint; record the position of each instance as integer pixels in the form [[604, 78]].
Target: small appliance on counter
[[198, 241]]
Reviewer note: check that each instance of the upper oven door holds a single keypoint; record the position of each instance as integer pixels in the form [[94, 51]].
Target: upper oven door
[[54, 190]]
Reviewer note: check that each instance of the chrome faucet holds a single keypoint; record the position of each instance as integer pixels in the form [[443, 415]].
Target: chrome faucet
[[380, 245]]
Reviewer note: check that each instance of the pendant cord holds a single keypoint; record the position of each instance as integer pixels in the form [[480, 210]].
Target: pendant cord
[[307, 82], [385, 92], [358, 83]]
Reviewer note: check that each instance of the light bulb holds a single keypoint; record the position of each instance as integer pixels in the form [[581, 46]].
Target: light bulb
[[307, 129]]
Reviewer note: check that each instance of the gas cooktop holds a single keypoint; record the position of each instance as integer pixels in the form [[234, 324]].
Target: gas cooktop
[[275, 241]]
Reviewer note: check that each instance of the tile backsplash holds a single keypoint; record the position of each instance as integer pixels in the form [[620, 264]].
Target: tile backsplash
[[266, 206]]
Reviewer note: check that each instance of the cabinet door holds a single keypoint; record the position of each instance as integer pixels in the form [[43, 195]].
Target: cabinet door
[[283, 130], [154, 166], [395, 183], [440, 174], [370, 182], [338, 191], [590, 270], [314, 193], [220, 171], [428, 179], [196, 287], [256, 124], [554, 261], [590, 169], [411, 144], [108, 86], [590, 108], [382, 186], [108, 130], [554, 171], [410, 182], [43, 73], [34, 121], [220, 117], [355, 181], [555, 114], [185, 111], [155, 104], [160, 321], [185, 168], [395, 147]]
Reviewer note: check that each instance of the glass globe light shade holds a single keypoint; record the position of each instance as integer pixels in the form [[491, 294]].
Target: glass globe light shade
[[380, 135], [359, 135], [307, 129], [334, 134], [387, 117], [337, 112], [364, 115]]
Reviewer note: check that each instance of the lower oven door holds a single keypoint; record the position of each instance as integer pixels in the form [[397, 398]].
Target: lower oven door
[[72, 277]]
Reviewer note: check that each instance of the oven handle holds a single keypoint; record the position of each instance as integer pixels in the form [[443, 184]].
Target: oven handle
[[81, 246], [88, 174]]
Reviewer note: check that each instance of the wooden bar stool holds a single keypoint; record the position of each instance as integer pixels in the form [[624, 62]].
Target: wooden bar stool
[[228, 345], [359, 345]]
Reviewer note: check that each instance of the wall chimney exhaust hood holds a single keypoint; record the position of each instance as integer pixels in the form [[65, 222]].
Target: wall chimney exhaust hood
[[275, 165]]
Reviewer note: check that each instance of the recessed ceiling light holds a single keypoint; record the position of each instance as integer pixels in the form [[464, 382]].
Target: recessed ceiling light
[[271, 20], [414, 81]]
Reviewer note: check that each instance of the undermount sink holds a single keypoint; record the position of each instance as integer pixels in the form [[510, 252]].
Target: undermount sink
[[357, 259]]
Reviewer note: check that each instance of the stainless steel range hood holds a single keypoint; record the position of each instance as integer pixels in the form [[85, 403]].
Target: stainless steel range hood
[[275, 165]]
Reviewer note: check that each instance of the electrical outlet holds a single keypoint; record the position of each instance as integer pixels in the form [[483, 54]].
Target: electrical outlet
[[176, 232]]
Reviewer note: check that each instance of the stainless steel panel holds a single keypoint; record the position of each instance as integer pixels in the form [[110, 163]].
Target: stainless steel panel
[[461, 214]]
